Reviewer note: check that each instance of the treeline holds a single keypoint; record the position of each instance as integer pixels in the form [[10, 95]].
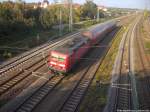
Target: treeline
[[22, 17]]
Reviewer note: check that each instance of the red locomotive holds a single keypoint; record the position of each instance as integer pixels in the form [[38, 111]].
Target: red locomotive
[[64, 57]]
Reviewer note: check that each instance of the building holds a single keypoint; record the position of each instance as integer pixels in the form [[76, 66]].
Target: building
[[76, 5], [46, 3], [43, 4], [102, 8]]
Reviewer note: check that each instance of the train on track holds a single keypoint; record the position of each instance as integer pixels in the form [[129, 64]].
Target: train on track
[[64, 57]]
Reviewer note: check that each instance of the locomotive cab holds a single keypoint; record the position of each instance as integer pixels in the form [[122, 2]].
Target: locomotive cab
[[58, 62]]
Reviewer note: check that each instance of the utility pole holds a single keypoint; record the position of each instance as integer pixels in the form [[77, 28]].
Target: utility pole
[[59, 2], [97, 14], [60, 21], [70, 16]]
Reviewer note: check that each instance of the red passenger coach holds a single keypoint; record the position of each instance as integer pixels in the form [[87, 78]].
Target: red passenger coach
[[64, 57], [97, 32]]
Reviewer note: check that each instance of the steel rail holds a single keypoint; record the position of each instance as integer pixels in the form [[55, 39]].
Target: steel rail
[[143, 58], [31, 102], [6, 82], [32, 54], [29, 54], [122, 93], [118, 91], [5, 86]]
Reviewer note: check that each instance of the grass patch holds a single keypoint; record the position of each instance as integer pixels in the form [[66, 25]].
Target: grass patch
[[145, 39], [147, 46]]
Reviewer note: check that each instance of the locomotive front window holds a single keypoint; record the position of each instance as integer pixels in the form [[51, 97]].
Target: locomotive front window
[[53, 57], [60, 59]]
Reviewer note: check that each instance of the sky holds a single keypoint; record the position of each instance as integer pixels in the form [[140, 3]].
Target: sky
[[124, 3], [140, 4]]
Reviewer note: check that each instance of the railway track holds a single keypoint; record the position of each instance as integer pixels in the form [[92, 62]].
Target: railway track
[[131, 92], [79, 90], [6, 84], [74, 99], [144, 79], [123, 84], [121, 91], [11, 88], [19, 70], [41, 93], [26, 64], [21, 59], [28, 56], [33, 100], [18, 74]]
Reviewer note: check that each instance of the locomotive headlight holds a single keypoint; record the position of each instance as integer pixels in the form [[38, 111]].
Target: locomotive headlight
[[61, 65], [53, 63]]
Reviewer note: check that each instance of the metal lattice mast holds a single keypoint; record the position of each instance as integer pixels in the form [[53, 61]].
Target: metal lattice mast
[[97, 14], [70, 3], [70, 16], [60, 15]]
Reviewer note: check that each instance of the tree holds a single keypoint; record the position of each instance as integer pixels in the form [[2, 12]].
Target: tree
[[77, 14], [89, 10], [101, 14], [6, 16], [47, 18]]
